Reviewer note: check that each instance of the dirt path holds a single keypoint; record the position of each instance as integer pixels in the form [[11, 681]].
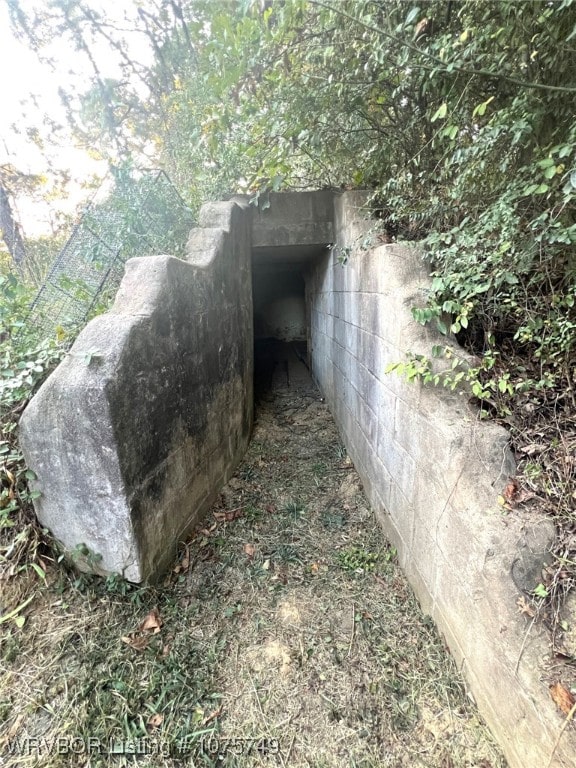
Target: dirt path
[[286, 635], [327, 651]]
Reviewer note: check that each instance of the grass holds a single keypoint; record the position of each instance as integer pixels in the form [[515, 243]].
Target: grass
[[287, 636]]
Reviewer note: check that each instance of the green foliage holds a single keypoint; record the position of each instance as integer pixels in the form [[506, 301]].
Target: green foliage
[[541, 591], [40, 254], [459, 116], [357, 559], [360, 560], [25, 360], [488, 381]]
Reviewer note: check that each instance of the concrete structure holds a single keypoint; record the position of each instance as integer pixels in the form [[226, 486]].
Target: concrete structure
[[137, 430], [131, 447], [433, 472]]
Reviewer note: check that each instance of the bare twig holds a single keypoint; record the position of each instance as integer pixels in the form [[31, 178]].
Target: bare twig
[[569, 717], [353, 629], [442, 64], [524, 645]]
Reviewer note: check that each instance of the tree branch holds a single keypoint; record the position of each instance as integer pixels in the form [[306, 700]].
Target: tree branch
[[446, 68]]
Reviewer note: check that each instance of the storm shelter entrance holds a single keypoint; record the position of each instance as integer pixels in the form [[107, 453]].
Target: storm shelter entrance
[[281, 353]]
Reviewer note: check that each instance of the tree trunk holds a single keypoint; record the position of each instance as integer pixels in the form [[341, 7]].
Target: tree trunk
[[11, 231]]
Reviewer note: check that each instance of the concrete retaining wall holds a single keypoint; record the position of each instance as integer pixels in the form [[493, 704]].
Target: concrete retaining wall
[[137, 430], [433, 472], [141, 425]]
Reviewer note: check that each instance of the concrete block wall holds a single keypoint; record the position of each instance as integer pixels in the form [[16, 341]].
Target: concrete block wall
[[433, 472], [140, 426]]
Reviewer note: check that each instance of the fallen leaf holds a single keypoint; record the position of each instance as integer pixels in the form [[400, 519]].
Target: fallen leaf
[[562, 697], [524, 496], [533, 448], [266, 565], [155, 721], [138, 642], [184, 564], [152, 623], [150, 626], [510, 493], [314, 567], [229, 515], [249, 549], [525, 607]]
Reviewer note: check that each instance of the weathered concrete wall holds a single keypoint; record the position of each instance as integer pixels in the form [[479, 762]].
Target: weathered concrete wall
[[291, 219], [143, 422], [433, 472]]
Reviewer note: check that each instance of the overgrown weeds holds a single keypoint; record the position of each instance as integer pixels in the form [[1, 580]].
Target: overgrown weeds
[[25, 360]]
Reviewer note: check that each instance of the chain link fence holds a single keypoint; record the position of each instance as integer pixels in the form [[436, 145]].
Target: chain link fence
[[135, 216]]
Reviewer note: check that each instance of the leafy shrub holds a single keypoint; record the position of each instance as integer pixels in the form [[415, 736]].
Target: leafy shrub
[[459, 117], [25, 360]]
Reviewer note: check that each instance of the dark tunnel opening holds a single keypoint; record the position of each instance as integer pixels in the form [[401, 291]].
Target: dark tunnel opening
[[280, 325]]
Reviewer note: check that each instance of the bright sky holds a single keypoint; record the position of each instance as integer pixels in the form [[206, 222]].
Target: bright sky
[[30, 92]]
